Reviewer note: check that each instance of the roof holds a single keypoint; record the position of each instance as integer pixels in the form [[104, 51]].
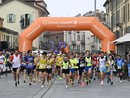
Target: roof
[[29, 3], [6, 30], [106, 2], [123, 39]]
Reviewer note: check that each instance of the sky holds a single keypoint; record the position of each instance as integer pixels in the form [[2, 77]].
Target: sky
[[64, 8]]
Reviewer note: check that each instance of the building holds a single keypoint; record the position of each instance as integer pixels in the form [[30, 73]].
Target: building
[[8, 38], [19, 14], [118, 19], [51, 39], [84, 40]]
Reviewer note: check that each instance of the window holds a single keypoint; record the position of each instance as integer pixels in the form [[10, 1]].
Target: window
[[11, 18], [78, 37], [25, 20], [74, 37]]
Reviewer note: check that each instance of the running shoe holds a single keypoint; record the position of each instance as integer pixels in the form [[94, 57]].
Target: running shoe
[[30, 83], [24, 81], [16, 84], [83, 84], [60, 78], [111, 83], [66, 86], [101, 83], [120, 81], [42, 86], [89, 80]]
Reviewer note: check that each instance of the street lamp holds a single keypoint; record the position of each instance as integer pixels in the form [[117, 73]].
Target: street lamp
[[95, 4]]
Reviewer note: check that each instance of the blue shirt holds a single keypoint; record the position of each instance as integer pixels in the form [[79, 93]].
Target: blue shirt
[[30, 61], [119, 62]]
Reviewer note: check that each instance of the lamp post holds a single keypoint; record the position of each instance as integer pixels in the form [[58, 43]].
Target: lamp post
[[95, 6]]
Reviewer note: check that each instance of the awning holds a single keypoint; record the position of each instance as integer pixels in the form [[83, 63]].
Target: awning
[[123, 39]]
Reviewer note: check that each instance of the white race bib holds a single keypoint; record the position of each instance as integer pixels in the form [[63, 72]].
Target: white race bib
[[119, 67], [49, 67], [30, 64], [82, 65], [65, 67]]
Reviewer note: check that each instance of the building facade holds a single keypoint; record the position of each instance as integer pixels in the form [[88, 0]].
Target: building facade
[[8, 37], [52, 39], [84, 40], [118, 19], [19, 14]]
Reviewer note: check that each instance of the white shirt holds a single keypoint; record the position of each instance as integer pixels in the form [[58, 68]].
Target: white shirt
[[102, 62], [16, 61], [2, 59]]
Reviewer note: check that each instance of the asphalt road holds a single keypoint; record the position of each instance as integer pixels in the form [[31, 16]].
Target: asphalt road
[[58, 90]]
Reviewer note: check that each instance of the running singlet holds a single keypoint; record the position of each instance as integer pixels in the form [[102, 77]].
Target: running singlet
[[94, 61], [23, 63], [102, 62], [59, 61], [30, 61], [49, 63], [76, 61], [2, 59], [65, 65], [88, 60], [119, 63], [82, 62], [72, 64], [16, 61], [42, 63]]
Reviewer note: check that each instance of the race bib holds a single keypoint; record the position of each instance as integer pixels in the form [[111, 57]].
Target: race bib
[[49, 67], [81, 65], [24, 64], [65, 67], [119, 67], [30, 64]]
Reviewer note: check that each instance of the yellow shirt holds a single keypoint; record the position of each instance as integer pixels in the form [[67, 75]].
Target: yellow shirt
[[59, 61], [42, 63]]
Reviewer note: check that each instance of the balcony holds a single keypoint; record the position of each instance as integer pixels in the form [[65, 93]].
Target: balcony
[[119, 22], [73, 43], [82, 42]]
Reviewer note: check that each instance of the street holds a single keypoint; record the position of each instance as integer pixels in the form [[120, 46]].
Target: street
[[58, 90]]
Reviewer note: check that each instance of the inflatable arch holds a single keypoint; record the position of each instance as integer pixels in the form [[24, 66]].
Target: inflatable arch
[[66, 23]]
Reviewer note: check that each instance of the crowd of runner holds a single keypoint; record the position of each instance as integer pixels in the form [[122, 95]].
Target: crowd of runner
[[74, 67]]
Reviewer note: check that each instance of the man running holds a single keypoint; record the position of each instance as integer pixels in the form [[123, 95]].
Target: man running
[[16, 60]]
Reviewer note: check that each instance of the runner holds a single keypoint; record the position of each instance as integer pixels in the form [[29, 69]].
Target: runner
[[2, 58], [102, 67], [119, 63], [72, 69], [36, 63], [50, 64], [42, 68], [29, 66], [65, 70], [59, 60], [94, 65], [23, 66], [88, 67], [110, 68], [16, 60], [81, 69]]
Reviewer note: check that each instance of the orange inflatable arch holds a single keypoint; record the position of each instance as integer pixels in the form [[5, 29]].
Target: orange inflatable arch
[[69, 24]]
